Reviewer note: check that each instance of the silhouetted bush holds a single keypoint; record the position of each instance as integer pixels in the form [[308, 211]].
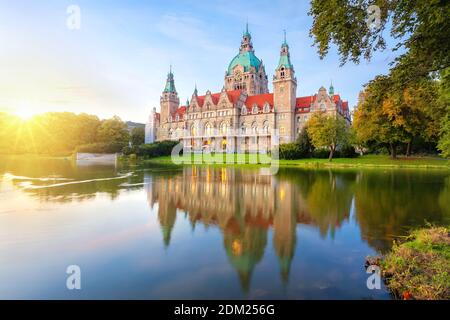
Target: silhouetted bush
[[348, 151], [323, 153], [157, 149]]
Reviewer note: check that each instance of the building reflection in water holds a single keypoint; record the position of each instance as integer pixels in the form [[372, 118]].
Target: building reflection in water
[[244, 205]]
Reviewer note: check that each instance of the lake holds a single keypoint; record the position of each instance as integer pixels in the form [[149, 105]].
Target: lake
[[204, 232]]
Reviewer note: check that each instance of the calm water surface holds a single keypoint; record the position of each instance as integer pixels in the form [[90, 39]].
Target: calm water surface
[[185, 233]]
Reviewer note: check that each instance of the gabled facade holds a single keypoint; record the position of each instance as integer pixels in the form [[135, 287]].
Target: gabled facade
[[244, 115]]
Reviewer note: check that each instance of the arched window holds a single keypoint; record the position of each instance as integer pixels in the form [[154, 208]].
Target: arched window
[[223, 128], [208, 129], [255, 128], [282, 73], [243, 128], [193, 130], [170, 133], [266, 127]]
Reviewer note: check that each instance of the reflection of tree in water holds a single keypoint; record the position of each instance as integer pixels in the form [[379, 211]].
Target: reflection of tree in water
[[324, 197], [387, 203]]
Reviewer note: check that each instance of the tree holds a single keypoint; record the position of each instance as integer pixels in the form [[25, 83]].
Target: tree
[[327, 131], [137, 136], [389, 117], [421, 29], [304, 143], [113, 131], [444, 100]]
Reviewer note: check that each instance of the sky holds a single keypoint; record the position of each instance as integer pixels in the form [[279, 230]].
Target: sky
[[117, 62]]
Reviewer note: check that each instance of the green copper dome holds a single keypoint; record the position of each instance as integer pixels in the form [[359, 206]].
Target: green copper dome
[[245, 59]]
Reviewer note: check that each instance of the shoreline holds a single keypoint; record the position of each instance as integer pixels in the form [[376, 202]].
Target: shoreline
[[374, 162]]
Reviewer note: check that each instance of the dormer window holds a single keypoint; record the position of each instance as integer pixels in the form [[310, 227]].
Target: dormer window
[[255, 109], [177, 118], [266, 108], [244, 110]]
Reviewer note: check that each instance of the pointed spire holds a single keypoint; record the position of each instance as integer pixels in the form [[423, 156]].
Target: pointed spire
[[170, 83], [247, 32], [331, 91], [195, 90], [285, 38], [187, 102], [285, 58]]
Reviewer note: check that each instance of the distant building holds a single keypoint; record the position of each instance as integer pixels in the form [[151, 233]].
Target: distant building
[[243, 115]]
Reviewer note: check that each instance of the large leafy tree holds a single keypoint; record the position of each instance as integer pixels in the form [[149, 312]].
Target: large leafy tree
[[327, 131], [420, 28], [114, 131], [137, 136], [421, 32], [389, 118]]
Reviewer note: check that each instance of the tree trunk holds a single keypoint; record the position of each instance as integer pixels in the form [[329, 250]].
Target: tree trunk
[[330, 158], [393, 151], [408, 148]]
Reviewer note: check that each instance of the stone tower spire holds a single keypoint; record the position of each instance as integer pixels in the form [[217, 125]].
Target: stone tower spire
[[170, 83], [285, 93], [331, 91], [246, 43], [169, 98]]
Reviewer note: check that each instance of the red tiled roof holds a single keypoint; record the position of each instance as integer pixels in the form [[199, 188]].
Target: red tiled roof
[[336, 98], [260, 100], [304, 102], [233, 96]]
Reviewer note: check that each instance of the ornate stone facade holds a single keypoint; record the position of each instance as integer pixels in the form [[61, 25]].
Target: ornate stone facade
[[244, 115]]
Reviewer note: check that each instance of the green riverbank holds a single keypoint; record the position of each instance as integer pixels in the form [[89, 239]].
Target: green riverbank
[[369, 161]]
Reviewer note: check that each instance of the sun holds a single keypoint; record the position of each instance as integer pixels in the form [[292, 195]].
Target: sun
[[24, 110]]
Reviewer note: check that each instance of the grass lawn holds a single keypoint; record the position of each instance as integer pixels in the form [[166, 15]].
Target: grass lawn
[[364, 161], [419, 268]]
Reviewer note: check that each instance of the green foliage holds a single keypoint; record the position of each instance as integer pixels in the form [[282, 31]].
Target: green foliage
[[444, 100], [321, 153], [290, 151], [328, 131], [113, 131], [347, 151], [421, 28], [157, 149], [419, 267], [137, 136], [304, 143], [390, 117], [60, 133]]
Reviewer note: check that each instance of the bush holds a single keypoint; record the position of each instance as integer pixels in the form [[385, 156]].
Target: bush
[[290, 151], [157, 149], [101, 148], [348, 151], [322, 153]]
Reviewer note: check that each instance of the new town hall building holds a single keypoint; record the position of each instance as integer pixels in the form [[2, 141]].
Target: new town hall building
[[244, 115]]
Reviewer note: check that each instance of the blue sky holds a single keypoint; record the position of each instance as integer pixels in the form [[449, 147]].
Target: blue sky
[[117, 63]]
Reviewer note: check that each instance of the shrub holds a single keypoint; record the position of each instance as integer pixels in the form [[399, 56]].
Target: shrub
[[348, 151], [290, 151], [157, 149], [321, 153]]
